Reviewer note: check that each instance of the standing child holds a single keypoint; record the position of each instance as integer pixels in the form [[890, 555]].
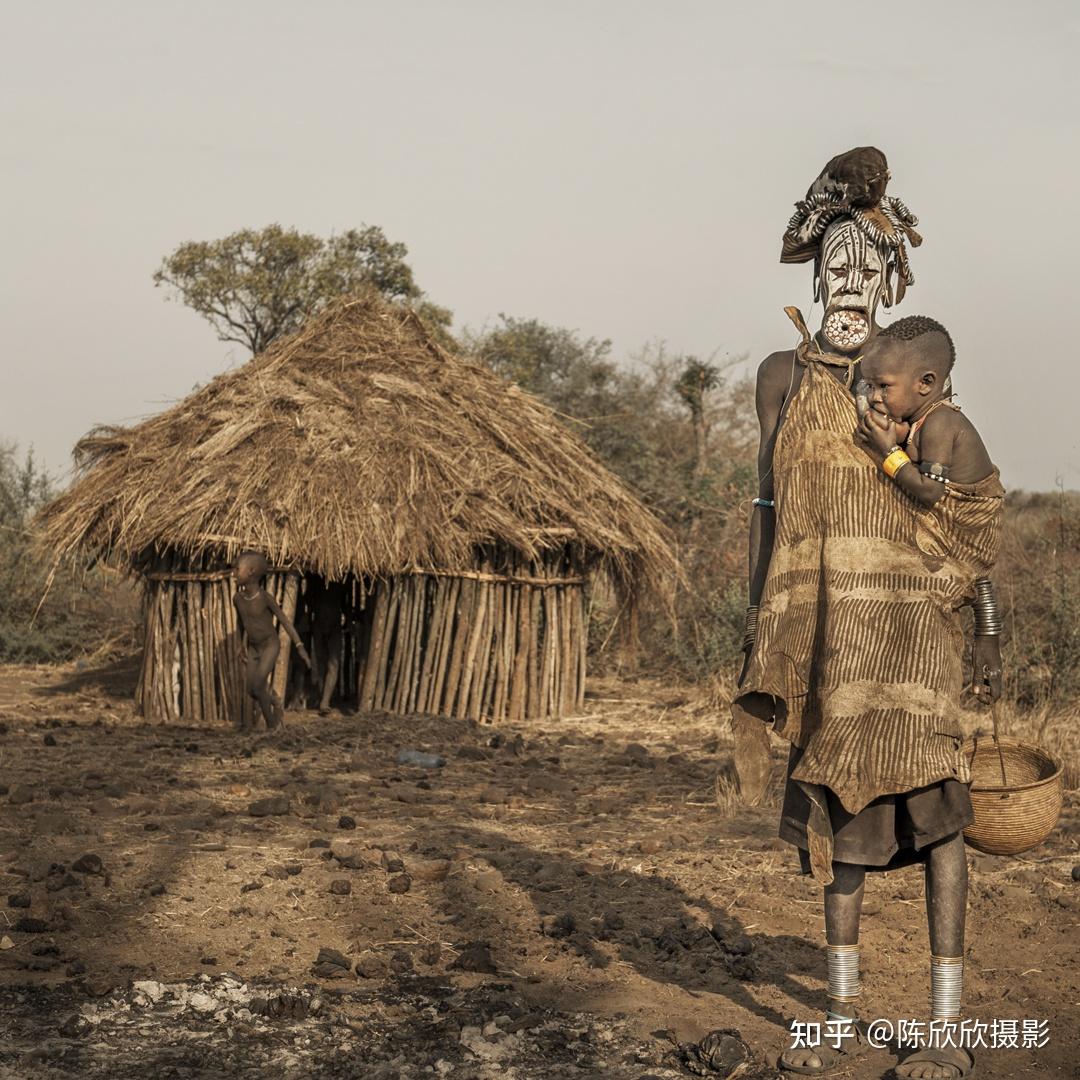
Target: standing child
[[257, 610]]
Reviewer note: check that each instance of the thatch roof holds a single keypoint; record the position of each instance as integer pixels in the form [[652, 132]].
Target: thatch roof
[[356, 444]]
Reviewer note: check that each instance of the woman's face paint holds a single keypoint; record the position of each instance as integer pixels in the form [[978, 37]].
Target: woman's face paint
[[852, 282]]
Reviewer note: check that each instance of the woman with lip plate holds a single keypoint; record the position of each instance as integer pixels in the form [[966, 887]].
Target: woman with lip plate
[[844, 632]]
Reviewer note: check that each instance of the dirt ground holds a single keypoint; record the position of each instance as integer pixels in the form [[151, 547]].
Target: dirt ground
[[558, 900]]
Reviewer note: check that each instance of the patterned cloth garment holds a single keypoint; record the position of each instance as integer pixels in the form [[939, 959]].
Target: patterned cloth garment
[[859, 640]]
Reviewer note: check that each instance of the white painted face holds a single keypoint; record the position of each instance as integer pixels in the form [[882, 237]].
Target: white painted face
[[852, 282]]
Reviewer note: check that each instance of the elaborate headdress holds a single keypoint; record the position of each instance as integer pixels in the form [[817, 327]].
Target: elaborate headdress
[[852, 186]]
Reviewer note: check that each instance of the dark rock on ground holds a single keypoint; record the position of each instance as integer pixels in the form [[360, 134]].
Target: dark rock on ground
[[476, 956], [274, 806], [29, 925], [331, 964], [74, 1026]]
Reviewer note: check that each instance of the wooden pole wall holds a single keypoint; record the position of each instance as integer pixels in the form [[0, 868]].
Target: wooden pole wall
[[503, 642]]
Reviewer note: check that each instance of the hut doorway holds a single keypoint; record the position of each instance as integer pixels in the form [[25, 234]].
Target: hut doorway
[[330, 619]]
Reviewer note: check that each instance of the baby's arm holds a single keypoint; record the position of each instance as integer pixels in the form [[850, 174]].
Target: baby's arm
[[936, 457], [935, 447], [284, 620]]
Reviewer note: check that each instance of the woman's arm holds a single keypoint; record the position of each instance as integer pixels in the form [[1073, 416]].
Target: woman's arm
[[776, 376]]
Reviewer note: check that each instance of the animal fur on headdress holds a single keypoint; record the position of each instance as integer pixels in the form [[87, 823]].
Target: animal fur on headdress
[[852, 185]]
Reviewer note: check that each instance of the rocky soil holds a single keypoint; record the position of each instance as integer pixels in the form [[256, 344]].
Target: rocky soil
[[572, 899]]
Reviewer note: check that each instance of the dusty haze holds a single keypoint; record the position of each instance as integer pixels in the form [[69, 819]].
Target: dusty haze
[[623, 168]]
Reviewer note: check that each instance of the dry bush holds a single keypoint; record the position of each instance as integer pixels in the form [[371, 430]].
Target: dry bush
[[48, 616]]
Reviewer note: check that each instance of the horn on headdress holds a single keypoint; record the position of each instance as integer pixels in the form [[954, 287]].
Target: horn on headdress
[[852, 185]]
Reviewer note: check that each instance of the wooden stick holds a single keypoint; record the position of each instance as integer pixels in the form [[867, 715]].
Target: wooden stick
[[431, 650], [396, 692], [539, 581], [411, 676], [446, 641], [569, 659], [421, 624], [480, 654], [206, 672], [391, 652], [373, 662], [166, 650], [532, 705], [583, 648], [475, 630], [519, 685], [194, 684], [462, 625], [500, 669], [393, 601], [556, 651], [543, 626]]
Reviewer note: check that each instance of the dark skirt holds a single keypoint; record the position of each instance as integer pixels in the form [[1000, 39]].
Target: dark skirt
[[890, 832]]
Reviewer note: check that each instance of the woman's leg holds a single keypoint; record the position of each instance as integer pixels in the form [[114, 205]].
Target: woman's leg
[[843, 910], [946, 910]]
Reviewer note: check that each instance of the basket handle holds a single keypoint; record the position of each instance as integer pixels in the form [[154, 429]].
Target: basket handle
[[1001, 757]]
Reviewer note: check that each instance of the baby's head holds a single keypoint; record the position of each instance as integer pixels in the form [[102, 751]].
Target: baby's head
[[250, 566], [907, 365]]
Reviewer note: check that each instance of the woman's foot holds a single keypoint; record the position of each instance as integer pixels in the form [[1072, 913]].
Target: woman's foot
[[936, 1063], [824, 1058]]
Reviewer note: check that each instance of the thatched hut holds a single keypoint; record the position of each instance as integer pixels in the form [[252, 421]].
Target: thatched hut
[[462, 517]]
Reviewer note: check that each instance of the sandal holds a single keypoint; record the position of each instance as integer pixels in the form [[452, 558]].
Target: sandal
[[831, 1057], [958, 1058]]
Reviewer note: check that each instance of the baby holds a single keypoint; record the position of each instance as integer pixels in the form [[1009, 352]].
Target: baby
[[923, 439], [257, 610]]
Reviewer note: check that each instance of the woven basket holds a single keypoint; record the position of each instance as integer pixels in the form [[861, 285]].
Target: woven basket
[[1015, 792]]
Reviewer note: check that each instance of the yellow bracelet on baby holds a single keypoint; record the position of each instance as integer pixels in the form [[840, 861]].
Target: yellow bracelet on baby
[[894, 462]]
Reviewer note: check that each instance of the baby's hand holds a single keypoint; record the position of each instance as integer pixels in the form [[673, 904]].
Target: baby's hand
[[880, 434]]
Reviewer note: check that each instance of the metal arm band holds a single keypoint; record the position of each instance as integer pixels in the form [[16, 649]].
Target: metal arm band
[[987, 617], [750, 631], [934, 470]]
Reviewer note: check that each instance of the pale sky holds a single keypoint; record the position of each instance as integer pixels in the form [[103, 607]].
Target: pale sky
[[622, 168]]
